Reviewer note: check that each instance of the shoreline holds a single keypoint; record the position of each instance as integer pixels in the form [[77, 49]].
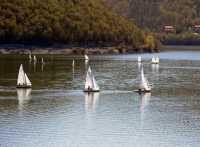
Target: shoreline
[[20, 49], [180, 47]]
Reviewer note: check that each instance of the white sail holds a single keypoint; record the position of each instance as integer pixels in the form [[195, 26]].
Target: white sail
[[91, 83], [34, 58], [28, 82], [139, 59], [89, 80], [21, 76], [86, 57], [157, 60], [153, 60], [96, 86], [42, 60], [23, 80], [30, 57], [143, 85]]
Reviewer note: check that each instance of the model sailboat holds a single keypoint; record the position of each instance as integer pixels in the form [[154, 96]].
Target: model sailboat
[[139, 59], [155, 60], [34, 59], [30, 57], [144, 85], [23, 80], [91, 84], [86, 57]]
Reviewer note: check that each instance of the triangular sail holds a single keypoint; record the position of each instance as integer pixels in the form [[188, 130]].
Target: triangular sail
[[23, 79], [96, 86], [86, 57], [35, 59], [89, 80], [154, 60], [91, 83], [157, 59], [28, 82], [143, 81], [139, 59], [21, 76], [30, 58]]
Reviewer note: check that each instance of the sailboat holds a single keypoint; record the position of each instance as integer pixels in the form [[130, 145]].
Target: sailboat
[[42, 60], [144, 85], [23, 80], [91, 84], [155, 60], [30, 57], [139, 59], [86, 57], [34, 59]]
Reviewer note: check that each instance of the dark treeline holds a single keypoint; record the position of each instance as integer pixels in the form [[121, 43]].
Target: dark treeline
[[64, 21], [154, 14]]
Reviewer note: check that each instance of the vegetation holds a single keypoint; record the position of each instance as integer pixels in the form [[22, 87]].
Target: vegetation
[[154, 14], [186, 38], [64, 21]]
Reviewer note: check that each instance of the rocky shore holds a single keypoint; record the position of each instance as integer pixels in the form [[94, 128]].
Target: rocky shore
[[17, 49]]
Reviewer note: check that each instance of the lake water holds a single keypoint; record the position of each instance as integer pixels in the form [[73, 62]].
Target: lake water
[[56, 113]]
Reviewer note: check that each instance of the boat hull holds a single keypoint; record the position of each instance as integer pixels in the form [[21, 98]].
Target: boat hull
[[142, 91], [91, 91], [23, 86]]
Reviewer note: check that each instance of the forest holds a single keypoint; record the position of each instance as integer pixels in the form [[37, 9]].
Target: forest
[[65, 21], [154, 14]]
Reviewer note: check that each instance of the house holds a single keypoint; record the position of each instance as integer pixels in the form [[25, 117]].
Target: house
[[196, 29], [169, 29]]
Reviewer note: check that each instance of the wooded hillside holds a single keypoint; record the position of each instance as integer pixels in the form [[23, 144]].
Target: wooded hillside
[[154, 14], [64, 21]]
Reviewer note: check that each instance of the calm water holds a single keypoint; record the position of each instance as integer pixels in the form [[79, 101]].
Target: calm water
[[56, 113]]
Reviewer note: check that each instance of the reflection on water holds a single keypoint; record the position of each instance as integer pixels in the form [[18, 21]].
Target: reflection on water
[[155, 68], [42, 67], [91, 101], [23, 96], [145, 99]]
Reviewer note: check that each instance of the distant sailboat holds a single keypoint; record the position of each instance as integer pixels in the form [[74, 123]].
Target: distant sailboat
[[34, 59], [86, 57], [91, 84], [144, 85], [139, 59], [42, 61], [23, 80], [155, 60], [30, 57]]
